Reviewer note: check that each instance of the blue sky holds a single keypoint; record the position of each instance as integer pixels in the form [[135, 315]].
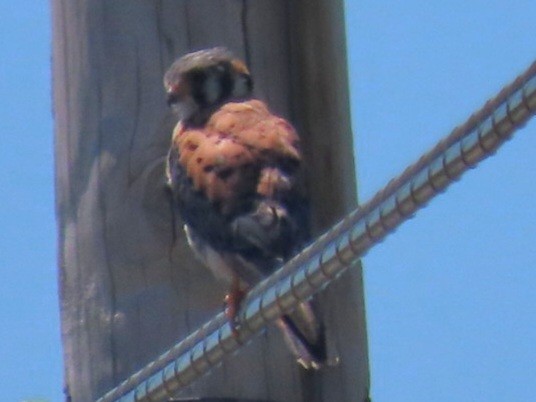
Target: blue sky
[[30, 354], [450, 296]]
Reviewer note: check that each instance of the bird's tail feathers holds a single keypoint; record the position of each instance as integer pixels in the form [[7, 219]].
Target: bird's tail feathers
[[305, 337]]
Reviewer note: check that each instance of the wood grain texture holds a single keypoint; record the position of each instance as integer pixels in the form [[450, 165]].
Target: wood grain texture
[[130, 287]]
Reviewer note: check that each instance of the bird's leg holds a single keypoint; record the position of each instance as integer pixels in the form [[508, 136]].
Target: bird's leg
[[232, 303]]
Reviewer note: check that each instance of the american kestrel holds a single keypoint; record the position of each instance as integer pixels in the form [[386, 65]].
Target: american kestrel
[[233, 168]]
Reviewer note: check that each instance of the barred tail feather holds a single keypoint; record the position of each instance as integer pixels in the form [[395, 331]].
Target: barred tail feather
[[305, 337]]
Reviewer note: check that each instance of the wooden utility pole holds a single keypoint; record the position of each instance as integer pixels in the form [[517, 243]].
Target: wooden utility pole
[[130, 287]]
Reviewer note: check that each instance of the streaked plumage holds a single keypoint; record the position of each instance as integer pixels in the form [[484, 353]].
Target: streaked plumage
[[234, 171]]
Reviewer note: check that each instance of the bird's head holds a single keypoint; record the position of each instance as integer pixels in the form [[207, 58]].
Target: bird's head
[[198, 83]]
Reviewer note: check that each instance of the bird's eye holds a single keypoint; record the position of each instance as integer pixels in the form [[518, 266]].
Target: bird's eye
[[172, 98]]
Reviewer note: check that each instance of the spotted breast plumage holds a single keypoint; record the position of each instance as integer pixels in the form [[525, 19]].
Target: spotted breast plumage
[[234, 170]]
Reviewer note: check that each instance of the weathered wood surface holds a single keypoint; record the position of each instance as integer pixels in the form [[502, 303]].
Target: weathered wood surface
[[130, 287]]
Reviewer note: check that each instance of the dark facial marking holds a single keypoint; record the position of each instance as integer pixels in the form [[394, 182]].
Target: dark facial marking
[[226, 81], [198, 78], [249, 82]]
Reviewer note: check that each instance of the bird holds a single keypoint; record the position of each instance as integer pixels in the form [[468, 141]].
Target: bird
[[234, 170]]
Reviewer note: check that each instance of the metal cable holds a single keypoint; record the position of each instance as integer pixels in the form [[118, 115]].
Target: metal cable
[[340, 248]]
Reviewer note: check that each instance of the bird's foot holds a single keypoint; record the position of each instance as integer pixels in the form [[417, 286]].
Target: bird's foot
[[232, 305]]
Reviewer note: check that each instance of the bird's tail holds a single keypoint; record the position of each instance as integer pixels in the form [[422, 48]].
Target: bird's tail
[[305, 336], [267, 237]]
